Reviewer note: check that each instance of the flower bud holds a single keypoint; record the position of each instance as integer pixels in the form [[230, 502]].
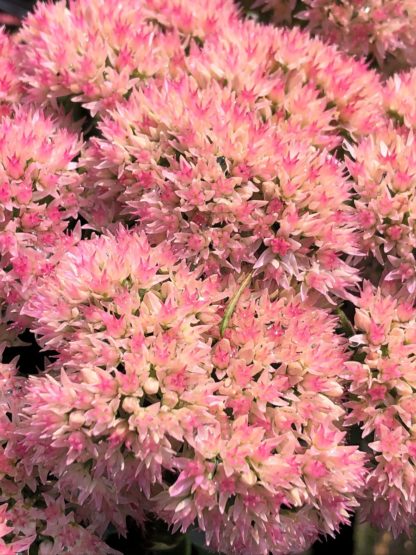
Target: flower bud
[[249, 478], [151, 386], [76, 419], [130, 405]]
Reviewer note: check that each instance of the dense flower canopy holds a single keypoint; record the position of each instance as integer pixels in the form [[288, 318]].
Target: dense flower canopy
[[107, 48], [384, 404], [208, 225], [201, 169], [144, 391], [39, 191], [383, 29]]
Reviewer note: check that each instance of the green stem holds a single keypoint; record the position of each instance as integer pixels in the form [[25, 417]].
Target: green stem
[[187, 546], [233, 303], [345, 323]]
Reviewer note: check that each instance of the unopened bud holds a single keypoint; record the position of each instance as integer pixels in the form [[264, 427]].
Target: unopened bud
[[249, 478], [130, 405], [151, 386], [76, 419]]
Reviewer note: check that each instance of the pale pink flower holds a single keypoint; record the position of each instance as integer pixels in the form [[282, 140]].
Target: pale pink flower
[[383, 29], [40, 190], [107, 48], [384, 171], [276, 473], [382, 389], [202, 170]]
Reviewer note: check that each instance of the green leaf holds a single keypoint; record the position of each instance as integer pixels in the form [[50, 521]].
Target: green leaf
[[345, 323], [233, 303], [184, 547]]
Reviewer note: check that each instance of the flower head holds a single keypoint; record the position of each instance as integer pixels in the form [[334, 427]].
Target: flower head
[[384, 173], [384, 404], [40, 190], [129, 324], [107, 48], [205, 427], [202, 170], [275, 473]]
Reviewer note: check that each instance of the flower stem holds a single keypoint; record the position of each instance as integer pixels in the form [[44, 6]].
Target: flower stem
[[233, 303], [345, 322]]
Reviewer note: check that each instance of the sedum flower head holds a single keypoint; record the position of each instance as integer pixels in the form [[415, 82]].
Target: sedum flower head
[[40, 190], [384, 400], [384, 180], [240, 433], [107, 48], [202, 170], [274, 473], [382, 29], [129, 325]]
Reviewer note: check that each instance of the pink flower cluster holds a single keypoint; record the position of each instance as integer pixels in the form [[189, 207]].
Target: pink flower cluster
[[39, 191], [31, 507], [199, 168], [10, 85], [188, 201], [247, 427], [383, 29], [276, 472], [399, 100], [383, 393], [384, 170], [107, 47]]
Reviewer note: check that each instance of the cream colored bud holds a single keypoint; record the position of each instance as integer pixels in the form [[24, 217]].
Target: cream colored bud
[[75, 312], [249, 478], [130, 405], [151, 386], [170, 399], [122, 428], [76, 419], [296, 497], [362, 320]]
